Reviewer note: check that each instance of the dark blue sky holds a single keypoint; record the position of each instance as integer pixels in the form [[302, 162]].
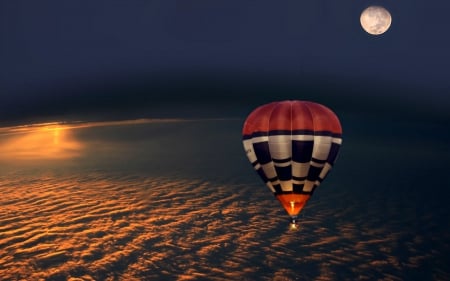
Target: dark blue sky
[[60, 58]]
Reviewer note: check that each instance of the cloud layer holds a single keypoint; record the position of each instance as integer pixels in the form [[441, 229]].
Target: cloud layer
[[101, 227], [141, 205]]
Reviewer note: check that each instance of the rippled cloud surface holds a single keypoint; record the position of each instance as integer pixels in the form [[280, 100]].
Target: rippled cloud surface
[[214, 221]]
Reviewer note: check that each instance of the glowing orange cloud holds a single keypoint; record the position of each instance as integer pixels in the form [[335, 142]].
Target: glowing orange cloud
[[47, 141]]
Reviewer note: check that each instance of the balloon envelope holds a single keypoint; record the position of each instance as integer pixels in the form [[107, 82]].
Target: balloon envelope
[[292, 145]]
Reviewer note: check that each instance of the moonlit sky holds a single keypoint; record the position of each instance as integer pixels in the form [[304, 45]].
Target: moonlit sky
[[132, 59], [121, 149]]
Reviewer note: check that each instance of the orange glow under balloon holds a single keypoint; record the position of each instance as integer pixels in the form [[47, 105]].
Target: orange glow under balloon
[[293, 203]]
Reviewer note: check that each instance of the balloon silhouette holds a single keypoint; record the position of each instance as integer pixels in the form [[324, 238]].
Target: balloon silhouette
[[292, 145]]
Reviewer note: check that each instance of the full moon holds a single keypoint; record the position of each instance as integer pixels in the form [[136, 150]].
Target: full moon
[[375, 20]]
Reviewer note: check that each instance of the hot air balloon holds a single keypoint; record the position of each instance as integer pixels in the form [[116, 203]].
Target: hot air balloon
[[292, 145]]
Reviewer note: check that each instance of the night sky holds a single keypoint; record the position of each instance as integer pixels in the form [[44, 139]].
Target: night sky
[[133, 59], [121, 148]]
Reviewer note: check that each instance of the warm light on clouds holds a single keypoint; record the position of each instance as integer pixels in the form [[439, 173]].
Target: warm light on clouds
[[178, 201], [48, 141], [53, 141]]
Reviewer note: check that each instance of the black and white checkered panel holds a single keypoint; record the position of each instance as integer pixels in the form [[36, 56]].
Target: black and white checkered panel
[[324, 155], [336, 142], [280, 150], [302, 149], [321, 149], [292, 163], [266, 169]]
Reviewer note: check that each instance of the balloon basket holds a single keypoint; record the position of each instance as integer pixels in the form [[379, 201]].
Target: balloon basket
[[294, 225]]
